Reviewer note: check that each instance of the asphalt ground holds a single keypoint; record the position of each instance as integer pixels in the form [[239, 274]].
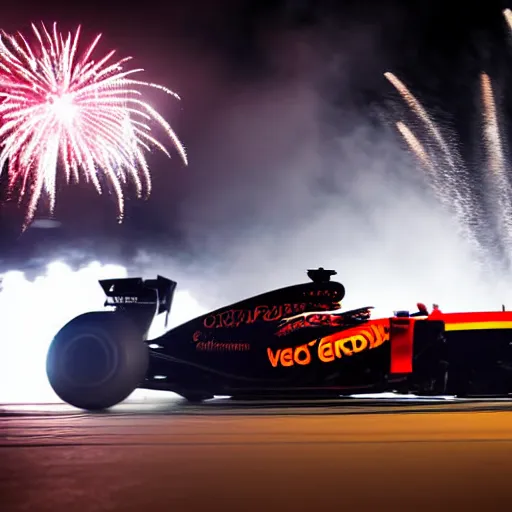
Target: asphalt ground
[[164, 454]]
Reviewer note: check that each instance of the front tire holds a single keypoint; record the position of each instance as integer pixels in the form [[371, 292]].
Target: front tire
[[97, 360]]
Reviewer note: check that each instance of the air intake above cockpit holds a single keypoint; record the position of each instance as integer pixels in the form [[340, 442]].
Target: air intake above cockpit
[[320, 275]]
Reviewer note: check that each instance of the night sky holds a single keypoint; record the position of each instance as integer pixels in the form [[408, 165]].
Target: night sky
[[261, 81]]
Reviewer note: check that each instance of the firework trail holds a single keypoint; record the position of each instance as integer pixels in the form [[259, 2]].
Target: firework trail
[[454, 195], [497, 161], [471, 213], [508, 17], [419, 150], [420, 111], [62, 109], [416, 147], [491, 130]]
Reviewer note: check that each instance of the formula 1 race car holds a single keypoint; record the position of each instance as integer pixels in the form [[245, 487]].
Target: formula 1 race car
[[290, 342]]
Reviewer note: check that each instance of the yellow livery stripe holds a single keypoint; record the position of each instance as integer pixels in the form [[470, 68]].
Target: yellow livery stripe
[[476, 326]]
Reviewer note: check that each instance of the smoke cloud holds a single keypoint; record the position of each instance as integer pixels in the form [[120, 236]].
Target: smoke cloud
[[288, 171], [317, 183]]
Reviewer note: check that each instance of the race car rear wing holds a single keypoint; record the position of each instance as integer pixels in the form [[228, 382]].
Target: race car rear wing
[[151, 296]]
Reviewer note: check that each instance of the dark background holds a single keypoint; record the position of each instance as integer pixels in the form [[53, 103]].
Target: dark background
[[284, 113]]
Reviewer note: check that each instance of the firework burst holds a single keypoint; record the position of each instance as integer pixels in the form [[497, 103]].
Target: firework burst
[[449, 178], [474, 205], [63, 110]]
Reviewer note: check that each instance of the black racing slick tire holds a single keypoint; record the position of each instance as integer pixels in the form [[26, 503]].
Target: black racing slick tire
[[97, 360]]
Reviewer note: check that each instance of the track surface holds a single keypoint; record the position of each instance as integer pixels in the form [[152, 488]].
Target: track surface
[[365, 454]]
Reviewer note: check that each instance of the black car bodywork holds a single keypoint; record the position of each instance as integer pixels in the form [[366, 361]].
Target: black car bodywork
[[293, 341]]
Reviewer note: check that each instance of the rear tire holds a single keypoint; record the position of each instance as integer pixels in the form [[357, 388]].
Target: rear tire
[[97, 360]]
